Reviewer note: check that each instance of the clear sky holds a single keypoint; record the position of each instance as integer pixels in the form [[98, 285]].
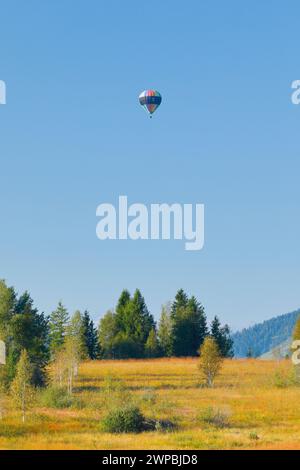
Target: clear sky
[[73, 135]]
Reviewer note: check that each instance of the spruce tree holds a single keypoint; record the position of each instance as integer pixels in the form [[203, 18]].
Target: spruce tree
[[181, 301], [59, 320], [90, 337], [222, 337], [29, 330], [189, 326]]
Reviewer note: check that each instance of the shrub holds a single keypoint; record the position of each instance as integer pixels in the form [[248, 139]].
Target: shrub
[[216, 417], [56, 397], [253, 436], [124, 420]]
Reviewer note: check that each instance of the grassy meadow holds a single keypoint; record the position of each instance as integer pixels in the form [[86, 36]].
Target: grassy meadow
[[252, 406]]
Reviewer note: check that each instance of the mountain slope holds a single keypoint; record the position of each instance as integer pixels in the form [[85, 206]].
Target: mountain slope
[[265, 336], [279, 352]]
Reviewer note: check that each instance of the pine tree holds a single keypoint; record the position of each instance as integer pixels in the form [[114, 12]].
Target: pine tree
[[90, 337], [21, 389], [145, 321], [133, 325], [222, 337], [189, 326], [59, 320], [123, 301], [198, 322], [93, 343], [29, 330], [181, 301]]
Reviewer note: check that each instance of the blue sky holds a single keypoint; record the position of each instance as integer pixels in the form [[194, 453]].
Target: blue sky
[[226, 135]]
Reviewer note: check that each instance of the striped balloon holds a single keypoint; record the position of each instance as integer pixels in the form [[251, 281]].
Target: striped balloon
[[150, 100]]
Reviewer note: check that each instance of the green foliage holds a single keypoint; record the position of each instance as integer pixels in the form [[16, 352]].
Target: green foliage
[[107, 334], [55, 397], [59, 320], [75, 330], [130, 331], [152, 348], [21, 390], [128, 419], [90, 334], [165, 331], [210, 361], [124, 334], [189, 326], [222, 337], [22, 327]]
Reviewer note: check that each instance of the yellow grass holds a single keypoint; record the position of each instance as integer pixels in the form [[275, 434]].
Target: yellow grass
[[261, 414]]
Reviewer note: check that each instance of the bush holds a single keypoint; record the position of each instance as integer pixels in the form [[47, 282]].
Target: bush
[[253, 436], [56, 397], [124, 420], [216, 417]]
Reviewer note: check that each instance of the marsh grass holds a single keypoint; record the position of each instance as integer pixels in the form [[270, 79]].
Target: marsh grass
[[166, 391]]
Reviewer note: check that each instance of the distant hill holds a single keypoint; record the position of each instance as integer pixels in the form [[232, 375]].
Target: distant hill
[[279, 352], [263, 337]]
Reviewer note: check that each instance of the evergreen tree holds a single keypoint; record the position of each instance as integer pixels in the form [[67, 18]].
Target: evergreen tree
[[165, 331], [59, 320], [7, 307], [91, 337], [198, 325], [144, 320], [21, 389], [181, 301], [222, 337], [189, 326], [124, 334], [29, 330], [123, 301]]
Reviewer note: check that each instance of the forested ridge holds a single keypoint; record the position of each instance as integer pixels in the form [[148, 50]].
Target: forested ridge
[[262, 337]]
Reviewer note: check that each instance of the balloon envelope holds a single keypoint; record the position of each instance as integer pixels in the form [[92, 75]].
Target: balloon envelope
[[150, 100]]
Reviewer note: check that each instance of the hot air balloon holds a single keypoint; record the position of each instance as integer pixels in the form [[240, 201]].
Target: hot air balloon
[[150, 100]]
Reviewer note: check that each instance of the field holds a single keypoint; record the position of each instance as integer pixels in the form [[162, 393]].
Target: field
[[255, 408]]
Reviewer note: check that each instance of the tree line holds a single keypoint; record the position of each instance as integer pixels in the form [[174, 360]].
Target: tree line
[[128, 331], [131, 332]]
